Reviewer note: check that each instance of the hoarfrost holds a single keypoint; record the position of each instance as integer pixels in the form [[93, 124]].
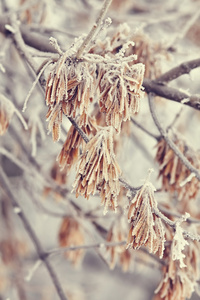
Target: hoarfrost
[[178, 246]]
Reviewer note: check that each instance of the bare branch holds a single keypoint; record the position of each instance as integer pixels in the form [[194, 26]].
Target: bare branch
[[156, 137], [40, 251], [95, 245], [175, 119], [31, 39], [183, 68], [170, 93]]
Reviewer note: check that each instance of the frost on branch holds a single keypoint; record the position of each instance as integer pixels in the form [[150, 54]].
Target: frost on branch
[[69, 90], [173, 172], [178, 246], [99, 170], [70, 234], [120, 93], [146, 228], [179, 283]]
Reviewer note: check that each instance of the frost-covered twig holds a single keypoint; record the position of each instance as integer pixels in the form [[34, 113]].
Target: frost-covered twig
[[173, 224], [94, 29], [175, 119], [171, 93], [35, 83], [33, 270], [132, 189], [171, 144], [157, 137], [88, 246], [5, 185], [80, 131], [177, 215]]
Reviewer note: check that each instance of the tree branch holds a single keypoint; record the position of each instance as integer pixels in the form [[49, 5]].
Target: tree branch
[[31, 39], [156, 137], [74, 248], [170, 93], [40, 251], [183, 68], [180, 155]]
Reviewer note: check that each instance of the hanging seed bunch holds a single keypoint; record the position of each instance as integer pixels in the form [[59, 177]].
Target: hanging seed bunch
[[148, 51], [146, 228], [113, 42], [176, 178], [70, 234], [99, 170], [69, 91], [179, 283], [71, 148], [120, 93]]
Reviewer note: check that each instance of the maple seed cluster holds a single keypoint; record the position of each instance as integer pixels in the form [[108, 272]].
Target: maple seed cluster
[[146, 228], [72, 85], [177, 282], [99, 170], [69, 90]]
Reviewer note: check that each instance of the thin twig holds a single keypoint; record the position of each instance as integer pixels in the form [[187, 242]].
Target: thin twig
[[22, 49], [190, 20], [40, 251], [140, 145], [171, 144], [173, 224], [177, 215], [80, 131], [132, 189], [156, 137], [174, 120], [35, 83], [95, 245], [94, 29]]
